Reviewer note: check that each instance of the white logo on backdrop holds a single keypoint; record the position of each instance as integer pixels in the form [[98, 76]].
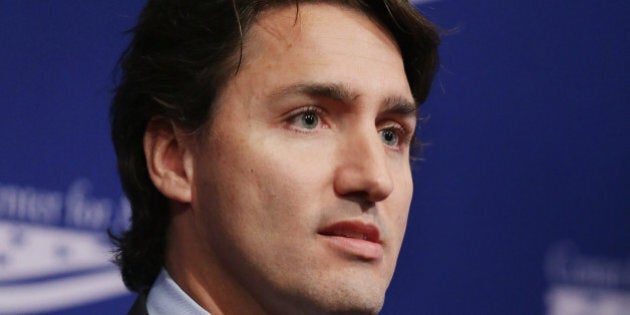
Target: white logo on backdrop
[[581, 285], [54, 252]]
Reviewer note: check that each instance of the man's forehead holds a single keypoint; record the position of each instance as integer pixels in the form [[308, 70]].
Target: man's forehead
[[285, 22], [320, 31]]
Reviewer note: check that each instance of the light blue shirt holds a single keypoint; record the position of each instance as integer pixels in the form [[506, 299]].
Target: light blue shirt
[[167, 298]]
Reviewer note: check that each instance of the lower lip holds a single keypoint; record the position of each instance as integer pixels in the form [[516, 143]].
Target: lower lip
[[358, 248]]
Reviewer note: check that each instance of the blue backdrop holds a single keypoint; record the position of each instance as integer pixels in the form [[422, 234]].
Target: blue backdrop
[[521, 203]]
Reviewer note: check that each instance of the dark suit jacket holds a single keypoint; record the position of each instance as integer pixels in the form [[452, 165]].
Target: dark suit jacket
[[139, 306]]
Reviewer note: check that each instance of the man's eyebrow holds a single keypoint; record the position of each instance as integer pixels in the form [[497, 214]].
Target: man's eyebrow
[[339, 92], [335, 91], [400, 106]]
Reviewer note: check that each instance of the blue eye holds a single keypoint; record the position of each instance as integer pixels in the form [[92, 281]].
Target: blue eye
[[308, 120], [389, 137]]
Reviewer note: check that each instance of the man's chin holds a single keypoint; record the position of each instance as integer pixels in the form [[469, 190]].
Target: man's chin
[[352, 297], [350, 305]]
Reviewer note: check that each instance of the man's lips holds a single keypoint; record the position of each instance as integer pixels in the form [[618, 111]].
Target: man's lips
[[353, 229], [355, 239]]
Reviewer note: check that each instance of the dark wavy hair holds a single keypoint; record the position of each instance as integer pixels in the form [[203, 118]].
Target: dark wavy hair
[[181, 55]]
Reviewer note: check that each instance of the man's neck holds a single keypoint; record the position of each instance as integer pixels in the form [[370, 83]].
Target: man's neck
[[201, 277]]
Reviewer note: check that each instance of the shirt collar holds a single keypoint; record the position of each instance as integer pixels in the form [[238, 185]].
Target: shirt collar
[[166, 298]]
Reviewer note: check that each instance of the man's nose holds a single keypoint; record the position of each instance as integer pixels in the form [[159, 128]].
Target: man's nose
[[363, 171]]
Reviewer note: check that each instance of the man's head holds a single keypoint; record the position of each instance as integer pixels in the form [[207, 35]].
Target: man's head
[[264, 147]]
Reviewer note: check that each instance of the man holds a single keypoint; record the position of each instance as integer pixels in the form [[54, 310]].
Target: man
[[264, 147]]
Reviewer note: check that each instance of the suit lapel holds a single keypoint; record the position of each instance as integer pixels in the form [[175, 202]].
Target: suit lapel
[[139, 306]]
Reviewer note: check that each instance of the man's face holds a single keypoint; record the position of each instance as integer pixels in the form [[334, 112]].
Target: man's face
[[302, 182]]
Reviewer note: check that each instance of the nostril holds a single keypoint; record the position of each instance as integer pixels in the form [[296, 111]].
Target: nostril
[[362, 198], [367, 205]]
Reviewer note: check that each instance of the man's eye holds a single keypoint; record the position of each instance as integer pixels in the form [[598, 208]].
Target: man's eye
[[307, 120], [389, 137]]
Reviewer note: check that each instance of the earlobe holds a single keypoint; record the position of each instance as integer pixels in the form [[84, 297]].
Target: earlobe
[[168, 159]]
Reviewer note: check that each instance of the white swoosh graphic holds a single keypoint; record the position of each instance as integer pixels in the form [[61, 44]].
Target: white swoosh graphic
[[60, 293]]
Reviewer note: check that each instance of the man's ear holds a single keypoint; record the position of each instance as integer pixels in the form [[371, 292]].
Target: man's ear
[[169, 159]]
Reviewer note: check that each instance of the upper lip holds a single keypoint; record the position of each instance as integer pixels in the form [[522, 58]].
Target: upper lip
[[353, 229]]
